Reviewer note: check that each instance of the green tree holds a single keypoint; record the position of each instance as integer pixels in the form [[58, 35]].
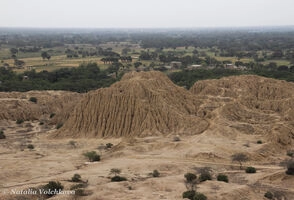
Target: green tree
[[13, 51], [45, 55]]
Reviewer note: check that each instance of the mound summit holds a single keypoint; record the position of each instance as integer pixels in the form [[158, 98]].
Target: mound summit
[[140, 104]]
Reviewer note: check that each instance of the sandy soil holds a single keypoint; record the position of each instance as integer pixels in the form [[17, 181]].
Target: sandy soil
[[59, 160]]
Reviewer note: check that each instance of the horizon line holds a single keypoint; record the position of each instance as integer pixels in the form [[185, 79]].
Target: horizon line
[[199, 27]]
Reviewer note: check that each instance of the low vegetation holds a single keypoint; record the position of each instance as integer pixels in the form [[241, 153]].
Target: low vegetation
[[290, 167], [199, 196], [189, 194], [80, 189], [155, 173], [190, 183], [78, 186], [92, 156], [118, 179], [204, 174], [2, 135], [59, 125], [269, 195], [177, 138], [73, 143], [52, 188], [76, 178], [52, 115], [19, 121], [222, 177], [290, 153], [30, 146], [250, 170], [109, 145], [33, 99]]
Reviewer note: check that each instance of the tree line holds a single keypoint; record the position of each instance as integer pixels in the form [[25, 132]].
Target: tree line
[[87, 76]]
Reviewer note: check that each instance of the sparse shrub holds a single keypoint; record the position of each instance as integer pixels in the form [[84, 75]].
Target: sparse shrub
[[80, 192], [59, 125], [19, 121], [199, 196], [92, 156], [250, 170], [247, 144], [222, 177], [52, 115], [177, 138], [2, 135], [72, 143], [189, 194], [118, 179], [155, 173], [190, 177], [191, 181], [33, 99], [115, 171], [204, 174], [76, 178], [101, 148], [290, 167], [109, 145], [52, 186], [240, 157], [279, 195], [259, 142], [269, 195], [78, 186], [30, 146]]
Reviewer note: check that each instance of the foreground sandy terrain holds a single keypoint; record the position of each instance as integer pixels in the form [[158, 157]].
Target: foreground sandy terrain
[[59, 160]]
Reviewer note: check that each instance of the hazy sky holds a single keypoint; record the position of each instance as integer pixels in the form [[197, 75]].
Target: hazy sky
[[148, 13]]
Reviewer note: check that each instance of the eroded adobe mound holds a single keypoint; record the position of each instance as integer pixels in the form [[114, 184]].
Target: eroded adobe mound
[[17, 105], [140, 104], [252, 104]]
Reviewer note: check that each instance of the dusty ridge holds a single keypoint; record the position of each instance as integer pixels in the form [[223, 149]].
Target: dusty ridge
[[140, 104]]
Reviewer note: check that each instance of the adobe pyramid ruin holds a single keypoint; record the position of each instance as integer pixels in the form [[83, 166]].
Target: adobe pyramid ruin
[[140, 104]]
